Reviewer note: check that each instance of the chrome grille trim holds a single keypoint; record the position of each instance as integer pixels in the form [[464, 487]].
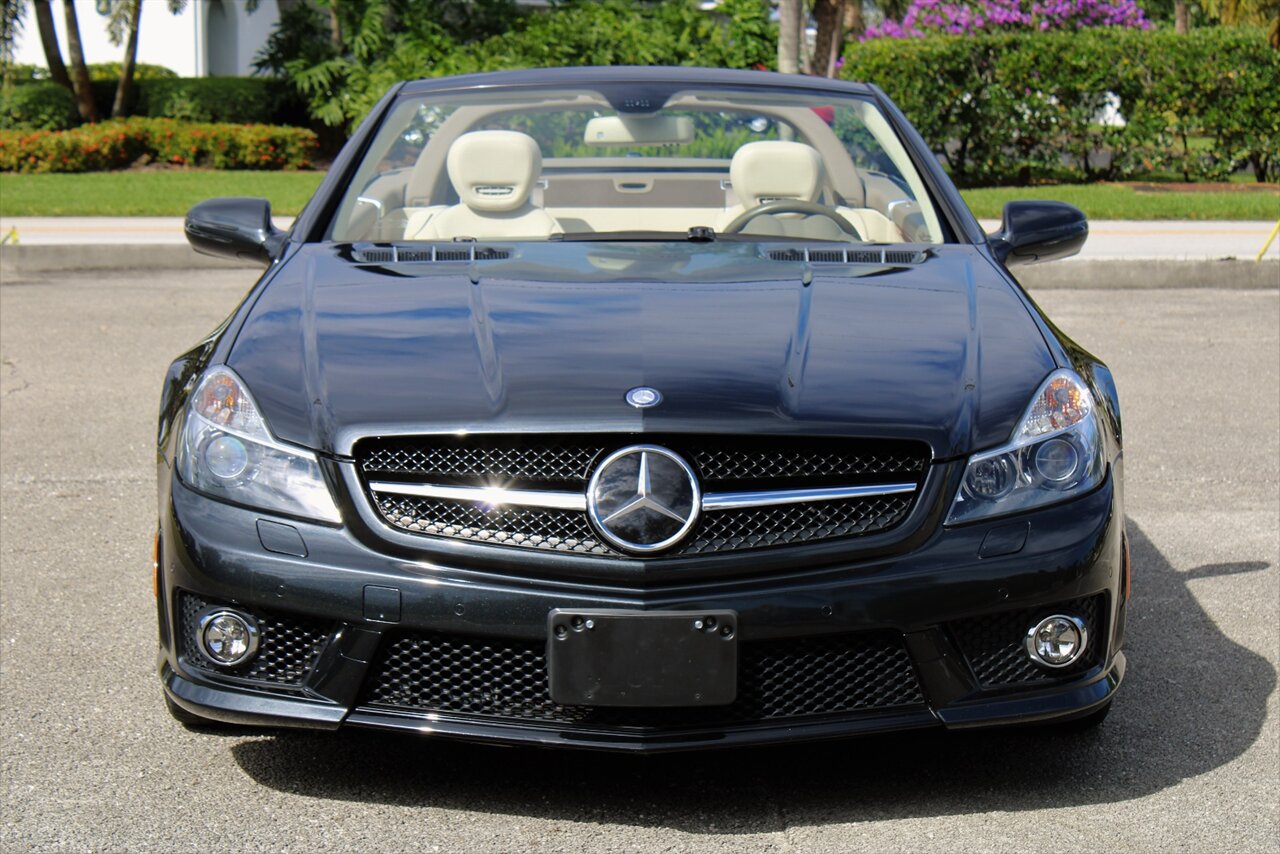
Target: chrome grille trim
[[487, 494], [711, 501], [772, 497]]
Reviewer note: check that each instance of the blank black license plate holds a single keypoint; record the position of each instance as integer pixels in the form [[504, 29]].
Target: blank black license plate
[[642, 658]]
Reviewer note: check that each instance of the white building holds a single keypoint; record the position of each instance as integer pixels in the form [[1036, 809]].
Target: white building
[[208, 38]]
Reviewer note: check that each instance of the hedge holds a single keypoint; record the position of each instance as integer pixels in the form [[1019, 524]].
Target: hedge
[[122, 143], [1021, 108], [45, 105], [42, 105], [219, 99], [141, 71], [242, 100]]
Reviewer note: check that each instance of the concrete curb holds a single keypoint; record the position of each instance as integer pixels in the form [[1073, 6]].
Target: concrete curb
[[1151, 274], [1228, 274], [46, 258]]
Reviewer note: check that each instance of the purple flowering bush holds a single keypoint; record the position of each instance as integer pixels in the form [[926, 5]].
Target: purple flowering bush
[[928, 17]]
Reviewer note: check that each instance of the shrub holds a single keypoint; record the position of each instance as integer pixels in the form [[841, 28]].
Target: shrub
[[24, 72], [121, 143], [1025, 107], [340, 90], [42, 105], [211, 99], [141, 71]]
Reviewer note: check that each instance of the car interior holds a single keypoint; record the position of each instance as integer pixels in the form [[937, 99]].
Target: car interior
[[478, 173]]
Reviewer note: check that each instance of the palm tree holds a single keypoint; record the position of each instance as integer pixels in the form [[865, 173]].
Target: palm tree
[[790, 32], [80, 83]]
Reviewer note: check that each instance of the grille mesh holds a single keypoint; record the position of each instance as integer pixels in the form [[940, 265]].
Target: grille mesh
[[514, 460], [717, 531], [787, 463], [504, 679], [995, 644], [531, 527], [287, 648], [565, 462], [481, 461], [783, 524]]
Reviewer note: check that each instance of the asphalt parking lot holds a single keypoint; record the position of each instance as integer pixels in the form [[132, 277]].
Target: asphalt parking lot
[[1188, 760]]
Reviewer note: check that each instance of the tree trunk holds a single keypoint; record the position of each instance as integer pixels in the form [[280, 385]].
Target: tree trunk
[[124, 88], [790, 31], [335, 26], [79, 72], [829, 16], [1180, 16], [854, 25], [49, 40]]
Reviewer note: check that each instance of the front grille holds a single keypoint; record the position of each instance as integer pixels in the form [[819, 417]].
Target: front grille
[[287, 647], [820, 462], [777, 680], [569, 531], [448, 460], [782, 524], [531, 527], [995, 644], [565, 463]]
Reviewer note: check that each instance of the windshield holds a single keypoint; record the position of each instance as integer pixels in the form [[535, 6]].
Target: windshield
[[625, 162]]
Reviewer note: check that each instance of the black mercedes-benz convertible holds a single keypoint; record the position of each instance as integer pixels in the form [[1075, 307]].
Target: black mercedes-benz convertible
[[638, 409]]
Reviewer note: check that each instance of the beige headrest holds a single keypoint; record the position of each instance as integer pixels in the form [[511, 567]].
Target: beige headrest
[[773, 169], [494, 170]]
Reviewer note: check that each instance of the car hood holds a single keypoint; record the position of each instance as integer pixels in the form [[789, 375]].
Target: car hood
[[551, 339]]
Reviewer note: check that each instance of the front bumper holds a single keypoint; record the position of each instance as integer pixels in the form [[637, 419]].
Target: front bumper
[[946, 620]]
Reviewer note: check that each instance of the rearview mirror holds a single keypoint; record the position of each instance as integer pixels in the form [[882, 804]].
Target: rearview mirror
[[1034, 232], [639, 130], [236, 227]]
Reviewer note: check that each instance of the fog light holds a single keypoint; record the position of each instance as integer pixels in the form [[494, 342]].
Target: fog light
[[1057, 641], [227, 638]]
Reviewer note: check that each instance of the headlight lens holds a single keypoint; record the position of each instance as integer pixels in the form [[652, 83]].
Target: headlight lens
[[228, 452], [1056, 453]]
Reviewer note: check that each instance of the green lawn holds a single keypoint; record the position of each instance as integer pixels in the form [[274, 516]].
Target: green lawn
[[172, 192], [1113, 201], [143, 193]]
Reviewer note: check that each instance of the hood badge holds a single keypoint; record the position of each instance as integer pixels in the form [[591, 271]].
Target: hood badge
[[643, 397]]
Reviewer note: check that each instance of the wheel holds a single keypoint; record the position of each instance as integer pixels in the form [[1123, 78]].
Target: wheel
[[784, 206]]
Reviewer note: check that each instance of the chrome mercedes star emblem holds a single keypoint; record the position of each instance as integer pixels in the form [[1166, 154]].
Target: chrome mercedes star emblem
[[643, 499], [642, 397]]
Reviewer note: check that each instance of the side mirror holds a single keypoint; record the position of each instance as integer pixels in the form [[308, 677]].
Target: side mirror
[[235, 227], [1032, 232]]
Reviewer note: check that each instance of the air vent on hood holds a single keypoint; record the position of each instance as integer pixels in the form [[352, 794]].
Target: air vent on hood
[[849, 256], [426, 254]]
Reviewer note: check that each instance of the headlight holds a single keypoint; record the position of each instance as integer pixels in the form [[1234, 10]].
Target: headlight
[[227, 452], [1056, 453]]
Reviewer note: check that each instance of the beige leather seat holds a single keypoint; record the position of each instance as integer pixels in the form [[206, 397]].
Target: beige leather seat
[[772, 170], [775, 169], [493, 173]]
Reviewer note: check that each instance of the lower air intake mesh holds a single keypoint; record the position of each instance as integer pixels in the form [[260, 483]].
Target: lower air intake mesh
[[507, 680]]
